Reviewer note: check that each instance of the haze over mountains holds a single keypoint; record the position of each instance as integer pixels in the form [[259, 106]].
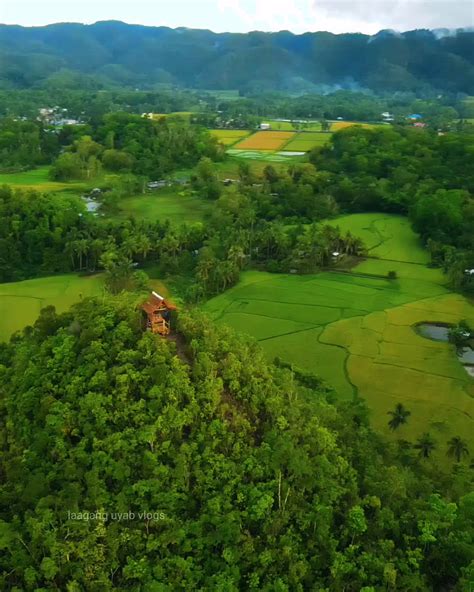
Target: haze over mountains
[[115, 53]]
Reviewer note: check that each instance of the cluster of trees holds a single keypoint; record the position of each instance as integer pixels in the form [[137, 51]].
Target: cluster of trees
[[427, 176], [94, 105], [456, 448], [212, 109], [438, 111], [129, 462], [237, 237], [44, 234], [105, 54], [24, 144], [123, 142]]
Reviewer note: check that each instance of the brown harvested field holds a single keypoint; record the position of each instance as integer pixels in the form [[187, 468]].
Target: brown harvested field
[[265, 141]]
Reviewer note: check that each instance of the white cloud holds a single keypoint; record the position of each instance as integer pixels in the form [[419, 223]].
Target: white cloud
[[368, 16], [338, 16], [398, 14]]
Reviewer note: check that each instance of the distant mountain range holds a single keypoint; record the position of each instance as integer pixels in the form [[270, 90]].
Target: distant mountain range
[[114, 53]]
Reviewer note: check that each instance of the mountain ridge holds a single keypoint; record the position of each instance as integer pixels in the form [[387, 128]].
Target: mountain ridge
[[117, 53]]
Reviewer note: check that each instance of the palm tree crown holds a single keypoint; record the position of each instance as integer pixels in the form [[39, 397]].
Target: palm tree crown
[[425, 445], [457, 448], [398, 417]]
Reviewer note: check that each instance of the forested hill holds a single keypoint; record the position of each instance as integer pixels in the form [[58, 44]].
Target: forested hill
[[93, 56], [124, 466]]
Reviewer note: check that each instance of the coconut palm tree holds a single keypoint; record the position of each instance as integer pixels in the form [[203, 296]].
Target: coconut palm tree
[[399, 416], [457, 448], [425, 445]]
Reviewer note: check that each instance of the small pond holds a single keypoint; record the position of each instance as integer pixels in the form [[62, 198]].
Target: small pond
[[439, 332], [432, 331], [91, 204]]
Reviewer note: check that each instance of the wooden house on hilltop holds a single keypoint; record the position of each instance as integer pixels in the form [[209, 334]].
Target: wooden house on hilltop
[[158, 312]]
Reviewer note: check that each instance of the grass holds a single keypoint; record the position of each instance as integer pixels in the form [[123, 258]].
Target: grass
[[229, 167], [36, 179], [224, 95], [183, 114], [306, 141], [288, 126], [265, 141], [171, 204], [22, 301], [265, 157], [357, 331], [386, 236]]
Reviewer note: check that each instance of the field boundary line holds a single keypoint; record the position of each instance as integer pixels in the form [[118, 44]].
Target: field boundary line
[[355, 389], [297, 304], [290, 333]]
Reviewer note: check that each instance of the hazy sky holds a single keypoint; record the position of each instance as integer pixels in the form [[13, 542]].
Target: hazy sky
[[367, 16]]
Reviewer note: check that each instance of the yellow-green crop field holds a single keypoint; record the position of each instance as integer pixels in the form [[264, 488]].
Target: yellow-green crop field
[[229, 137], [183, 114], [357, 330], [339, 125], [266, 141], [21, 302], [306, 141]]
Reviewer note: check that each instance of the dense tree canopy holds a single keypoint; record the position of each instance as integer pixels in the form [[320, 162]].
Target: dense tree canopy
[[67, 56], [24, 144], [248, 479]]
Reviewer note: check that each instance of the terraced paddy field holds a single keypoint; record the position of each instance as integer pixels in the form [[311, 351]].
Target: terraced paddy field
[[229, 137], [265, 141], [21, 302], [357, 331], [306, 141]]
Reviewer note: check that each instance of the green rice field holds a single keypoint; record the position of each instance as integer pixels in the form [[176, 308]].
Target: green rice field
[[264, 156], [387, 237], [357, 330], [167, 204], [287, 126], [303, 141], [306, 141], [37, 179], [21, 302]]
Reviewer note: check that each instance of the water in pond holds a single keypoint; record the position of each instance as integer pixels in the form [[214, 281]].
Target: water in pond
[[441, 333], [91, 204], [432, 331], [466, 355]]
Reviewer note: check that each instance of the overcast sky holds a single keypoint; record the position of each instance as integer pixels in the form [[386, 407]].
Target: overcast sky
[[338, 16]]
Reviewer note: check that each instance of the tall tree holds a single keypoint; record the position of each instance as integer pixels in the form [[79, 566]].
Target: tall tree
[[457, 448], [425, 445]]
